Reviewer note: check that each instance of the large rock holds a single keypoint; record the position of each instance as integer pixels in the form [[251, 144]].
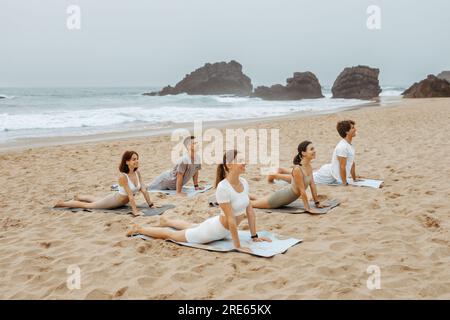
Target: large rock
[[212, 79], [359, 82], [431, 87], [444, 75], [303, 85]]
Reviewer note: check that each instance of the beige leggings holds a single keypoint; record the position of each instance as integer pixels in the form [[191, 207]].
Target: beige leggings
[[282, 197], [111, 201]]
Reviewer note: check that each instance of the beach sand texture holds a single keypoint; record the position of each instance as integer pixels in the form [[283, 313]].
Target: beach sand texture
[[402, 228]]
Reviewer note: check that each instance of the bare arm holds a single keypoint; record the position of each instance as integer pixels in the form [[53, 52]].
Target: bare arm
[[298, 179], [251, 219], [353, 171], [124, 183], [195, 179], [314, 190], [180, 182], [252, 224], [342, 169], [144, 191], [232, 227]]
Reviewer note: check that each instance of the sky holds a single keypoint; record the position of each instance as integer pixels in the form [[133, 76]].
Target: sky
[[153, 43]]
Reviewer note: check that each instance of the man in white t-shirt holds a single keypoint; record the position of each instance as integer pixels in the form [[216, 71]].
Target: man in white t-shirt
[[342, 164]]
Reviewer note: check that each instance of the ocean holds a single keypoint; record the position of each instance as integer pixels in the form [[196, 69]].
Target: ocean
[[56, 112]]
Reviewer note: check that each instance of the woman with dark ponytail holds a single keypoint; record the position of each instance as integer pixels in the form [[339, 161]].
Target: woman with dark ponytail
[[300, 179], [232, 195]]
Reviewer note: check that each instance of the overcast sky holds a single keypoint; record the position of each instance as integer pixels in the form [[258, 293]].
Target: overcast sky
[[156, 42]]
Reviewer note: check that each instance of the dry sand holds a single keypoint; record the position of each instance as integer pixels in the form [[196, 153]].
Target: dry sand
[[402, 228]]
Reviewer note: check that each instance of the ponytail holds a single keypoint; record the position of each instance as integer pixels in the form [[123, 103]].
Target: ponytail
[[222, 168], [297, 160], [301, 148], [220, 173]]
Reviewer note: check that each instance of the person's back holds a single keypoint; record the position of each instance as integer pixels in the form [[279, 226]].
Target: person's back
[[345, 150]]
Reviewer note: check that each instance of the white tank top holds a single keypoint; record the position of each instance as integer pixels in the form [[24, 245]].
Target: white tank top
[[239, 200], [131, 185]]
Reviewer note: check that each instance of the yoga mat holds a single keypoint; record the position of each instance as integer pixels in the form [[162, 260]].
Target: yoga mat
[[298, 207], [125, 210], [189, 190], [294, 207], [370, 183], [259, 249]]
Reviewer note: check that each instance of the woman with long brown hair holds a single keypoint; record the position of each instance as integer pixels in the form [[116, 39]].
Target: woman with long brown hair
[[300, 178], [130, 182], [232, 195]]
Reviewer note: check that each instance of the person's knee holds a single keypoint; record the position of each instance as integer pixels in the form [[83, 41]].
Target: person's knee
[[88, 205], [177, 236]]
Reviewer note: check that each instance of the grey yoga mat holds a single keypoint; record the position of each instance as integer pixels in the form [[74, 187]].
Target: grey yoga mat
[[370, 183], [189, 190], [298, 207], [125, 210], [260, 249], [294, 207]]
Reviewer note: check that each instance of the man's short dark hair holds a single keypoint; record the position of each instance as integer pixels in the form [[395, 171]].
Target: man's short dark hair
[[188, 140], [344, 126]]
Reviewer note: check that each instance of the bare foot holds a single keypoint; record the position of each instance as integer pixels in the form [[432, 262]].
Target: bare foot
[[134, 230], [270, 178], [137, 214], [59, 204]]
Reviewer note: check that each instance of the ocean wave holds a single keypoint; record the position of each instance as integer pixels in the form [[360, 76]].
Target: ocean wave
[[4, 96], [53, 112], [166, 114], [391, 91]]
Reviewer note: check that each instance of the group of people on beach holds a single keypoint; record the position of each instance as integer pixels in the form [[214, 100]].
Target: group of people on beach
[[232, 190]]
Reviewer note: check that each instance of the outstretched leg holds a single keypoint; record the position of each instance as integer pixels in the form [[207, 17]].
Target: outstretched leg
[[262, 203], [159, 233], [282, 174], [175, 223], [72, 204], [109, 202], [86, 198]]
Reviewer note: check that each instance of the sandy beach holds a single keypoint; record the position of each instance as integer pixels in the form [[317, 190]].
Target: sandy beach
[[402, 228]]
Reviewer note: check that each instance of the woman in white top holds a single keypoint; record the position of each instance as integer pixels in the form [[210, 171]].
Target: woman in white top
[[232, 196], [130, 182]]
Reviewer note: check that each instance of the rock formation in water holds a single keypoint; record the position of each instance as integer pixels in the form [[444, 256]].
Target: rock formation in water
[[359, 82], [303, 85], [431, 87], [212, 79], [444, 75]]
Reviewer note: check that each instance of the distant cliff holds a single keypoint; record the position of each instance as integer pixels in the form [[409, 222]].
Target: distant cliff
[[212, 79]]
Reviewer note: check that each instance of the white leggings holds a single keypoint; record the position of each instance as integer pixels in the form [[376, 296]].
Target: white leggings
[[209, 230]]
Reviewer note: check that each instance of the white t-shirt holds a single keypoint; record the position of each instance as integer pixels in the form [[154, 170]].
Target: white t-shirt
[[345, 150], [239, 201]]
